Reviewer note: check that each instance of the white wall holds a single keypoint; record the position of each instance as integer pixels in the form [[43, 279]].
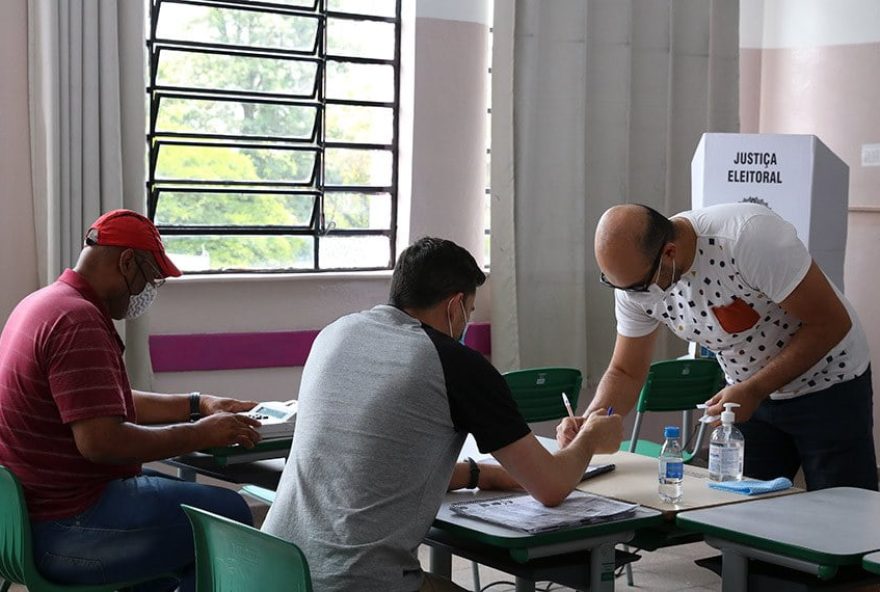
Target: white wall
[[810, 67]]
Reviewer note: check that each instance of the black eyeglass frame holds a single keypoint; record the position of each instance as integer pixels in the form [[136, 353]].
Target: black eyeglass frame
[[157, 280], [642, 286]]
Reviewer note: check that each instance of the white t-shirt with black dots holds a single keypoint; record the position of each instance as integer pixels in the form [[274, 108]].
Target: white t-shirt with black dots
[[747, 261]]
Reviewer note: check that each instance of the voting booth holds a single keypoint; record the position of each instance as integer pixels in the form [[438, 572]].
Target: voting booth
[[797, 176]]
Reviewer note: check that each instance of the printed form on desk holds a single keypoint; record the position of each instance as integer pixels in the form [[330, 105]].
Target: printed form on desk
[[523, 512]]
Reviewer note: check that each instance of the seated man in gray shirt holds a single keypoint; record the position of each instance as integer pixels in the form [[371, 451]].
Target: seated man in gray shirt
[[387, 398]]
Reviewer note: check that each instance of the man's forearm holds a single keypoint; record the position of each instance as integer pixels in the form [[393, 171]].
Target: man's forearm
[[617, 390], [153, 408], [809, 345]]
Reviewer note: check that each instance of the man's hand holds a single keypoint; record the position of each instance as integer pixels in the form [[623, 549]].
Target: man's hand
[[209, 405], [225, 429], [735, 393], [604, 431]]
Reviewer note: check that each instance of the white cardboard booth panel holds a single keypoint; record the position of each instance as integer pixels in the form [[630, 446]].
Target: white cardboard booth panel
[[797, 176]]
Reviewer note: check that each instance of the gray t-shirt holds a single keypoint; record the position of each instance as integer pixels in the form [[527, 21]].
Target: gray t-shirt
[[384, 407]]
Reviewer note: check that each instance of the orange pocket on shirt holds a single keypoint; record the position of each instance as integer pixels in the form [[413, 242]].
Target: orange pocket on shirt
[[736, 317]]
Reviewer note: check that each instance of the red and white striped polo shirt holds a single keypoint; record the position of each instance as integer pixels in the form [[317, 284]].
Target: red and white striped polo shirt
[[60, 362]]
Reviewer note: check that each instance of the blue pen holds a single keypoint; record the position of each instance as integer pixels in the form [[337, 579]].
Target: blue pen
[[610, 410]]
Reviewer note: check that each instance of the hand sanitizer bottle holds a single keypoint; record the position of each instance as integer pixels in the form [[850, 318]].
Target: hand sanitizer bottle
[[726, 449]]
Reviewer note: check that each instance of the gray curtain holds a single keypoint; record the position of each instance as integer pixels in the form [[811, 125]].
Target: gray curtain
[[86, 102], [595, 103]]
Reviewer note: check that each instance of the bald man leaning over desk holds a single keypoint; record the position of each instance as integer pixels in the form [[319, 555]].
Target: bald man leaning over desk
[[736, 279]]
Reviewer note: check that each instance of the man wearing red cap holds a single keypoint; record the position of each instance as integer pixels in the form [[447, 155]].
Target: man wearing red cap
[[75, 434]]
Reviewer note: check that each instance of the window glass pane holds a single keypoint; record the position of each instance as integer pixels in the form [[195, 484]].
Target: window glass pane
[[366, 39], [348, 252], [203, 208], [374, 7], [373, 125], [345, 166], [361, 82], [368, 211], [224, 163], [219, 253], [201, 70], [202, 116], [244, 28]]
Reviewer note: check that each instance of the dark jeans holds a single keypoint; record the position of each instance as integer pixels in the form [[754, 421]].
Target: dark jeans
[[829, 432], [135, 530]]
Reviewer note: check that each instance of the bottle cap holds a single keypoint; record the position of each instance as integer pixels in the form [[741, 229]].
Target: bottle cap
[[671, 432], [728, 416]]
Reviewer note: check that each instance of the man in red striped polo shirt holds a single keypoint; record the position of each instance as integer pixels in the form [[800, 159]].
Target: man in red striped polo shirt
[[75, 434]]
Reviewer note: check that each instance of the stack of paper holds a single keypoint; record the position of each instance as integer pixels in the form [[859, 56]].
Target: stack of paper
[[523, 512]]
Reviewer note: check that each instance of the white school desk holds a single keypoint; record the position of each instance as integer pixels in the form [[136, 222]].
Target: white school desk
[[871, 562], [814, 532], [634, 480]]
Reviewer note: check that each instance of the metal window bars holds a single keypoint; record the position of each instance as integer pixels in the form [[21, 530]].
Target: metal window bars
[[239, 147]]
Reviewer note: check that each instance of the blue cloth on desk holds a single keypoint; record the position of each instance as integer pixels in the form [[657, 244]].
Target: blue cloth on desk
[[752, 487]]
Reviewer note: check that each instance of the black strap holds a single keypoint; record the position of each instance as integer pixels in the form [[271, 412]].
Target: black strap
[[475, 474]]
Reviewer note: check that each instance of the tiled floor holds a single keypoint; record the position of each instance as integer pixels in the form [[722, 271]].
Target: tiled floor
[[666, 570]]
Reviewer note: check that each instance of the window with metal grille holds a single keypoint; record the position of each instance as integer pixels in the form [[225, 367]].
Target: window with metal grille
[[273, 133]]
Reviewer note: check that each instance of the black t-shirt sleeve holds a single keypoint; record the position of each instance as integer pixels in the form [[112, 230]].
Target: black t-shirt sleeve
[[480, 402]]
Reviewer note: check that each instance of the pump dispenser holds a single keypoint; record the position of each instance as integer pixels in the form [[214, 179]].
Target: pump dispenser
[[726, 448]]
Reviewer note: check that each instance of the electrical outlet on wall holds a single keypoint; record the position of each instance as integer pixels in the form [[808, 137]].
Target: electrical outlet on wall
[[870, 155]]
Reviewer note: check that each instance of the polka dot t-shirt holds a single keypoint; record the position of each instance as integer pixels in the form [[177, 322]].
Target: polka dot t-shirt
[[748, 260]]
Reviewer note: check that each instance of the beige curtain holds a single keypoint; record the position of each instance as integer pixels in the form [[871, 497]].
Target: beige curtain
[[595, 103], [86, 103]]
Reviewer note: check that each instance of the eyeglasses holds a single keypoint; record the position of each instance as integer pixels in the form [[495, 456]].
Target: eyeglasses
[[155, 276], [642, 286]]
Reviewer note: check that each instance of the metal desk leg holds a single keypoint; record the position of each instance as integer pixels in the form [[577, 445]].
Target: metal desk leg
[[602, 568], [734, 571], [440, 562], [524, 585]]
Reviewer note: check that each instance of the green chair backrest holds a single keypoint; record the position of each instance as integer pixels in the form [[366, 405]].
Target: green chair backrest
[[679, 385], [538, 391], [675, 385], [231, 557], [16, 554], [15, 530]]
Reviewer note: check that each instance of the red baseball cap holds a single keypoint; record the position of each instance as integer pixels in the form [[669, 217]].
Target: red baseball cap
[[125, 228]]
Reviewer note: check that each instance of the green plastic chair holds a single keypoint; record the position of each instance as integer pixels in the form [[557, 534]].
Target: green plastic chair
[[16, 553], [231, 557], [538, 391], [675, 385]]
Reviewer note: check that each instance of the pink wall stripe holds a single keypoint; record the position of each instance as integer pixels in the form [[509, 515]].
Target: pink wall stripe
[[230, 351], [237, 351]]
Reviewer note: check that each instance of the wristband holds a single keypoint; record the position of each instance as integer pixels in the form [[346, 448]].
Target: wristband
[[475, 474], [194, 399]]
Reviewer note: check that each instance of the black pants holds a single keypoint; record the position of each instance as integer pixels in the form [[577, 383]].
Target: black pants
[[829, 432]]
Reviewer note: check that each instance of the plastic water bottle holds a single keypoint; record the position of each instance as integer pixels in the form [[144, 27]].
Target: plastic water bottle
[[727, 449], [671, 471]]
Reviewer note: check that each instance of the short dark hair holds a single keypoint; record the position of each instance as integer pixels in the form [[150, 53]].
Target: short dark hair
[[430, 270], [658, 231]]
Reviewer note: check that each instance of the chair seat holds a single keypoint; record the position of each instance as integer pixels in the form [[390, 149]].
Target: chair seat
[[652, 449]]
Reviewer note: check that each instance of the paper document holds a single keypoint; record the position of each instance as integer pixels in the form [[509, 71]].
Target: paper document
[[523, 512]]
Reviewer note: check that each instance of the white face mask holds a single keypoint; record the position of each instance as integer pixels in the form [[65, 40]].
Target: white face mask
[[654, 294], [466, 323], [139, 303]]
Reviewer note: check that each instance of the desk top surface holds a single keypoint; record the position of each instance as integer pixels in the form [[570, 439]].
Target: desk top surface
[[502, 536], [834, 526], [634, 480]]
